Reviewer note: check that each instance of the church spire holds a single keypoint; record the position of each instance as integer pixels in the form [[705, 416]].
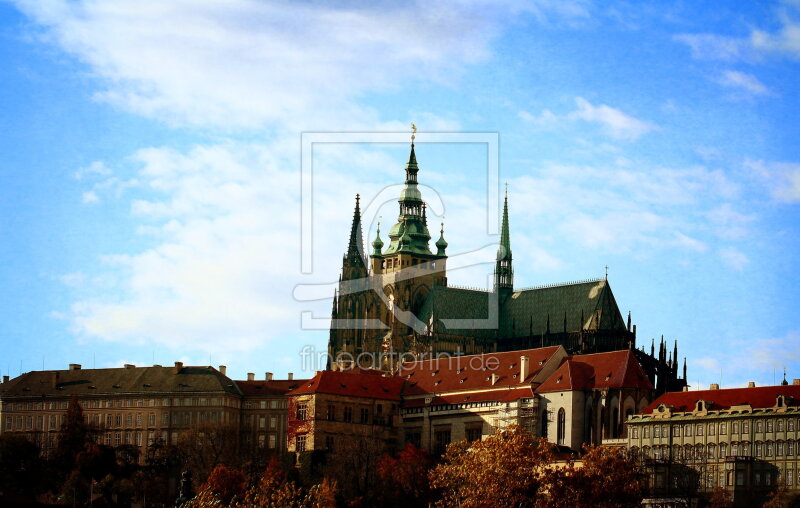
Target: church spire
[[504, 271], [353, 265]]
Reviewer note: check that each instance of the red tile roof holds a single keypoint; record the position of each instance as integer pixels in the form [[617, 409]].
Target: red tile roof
[[472, 372], [758, 397], [501, 394], [275, 387], [615, 369], [353, 383]]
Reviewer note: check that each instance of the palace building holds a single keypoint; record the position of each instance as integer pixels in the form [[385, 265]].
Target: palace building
[[400, 302]]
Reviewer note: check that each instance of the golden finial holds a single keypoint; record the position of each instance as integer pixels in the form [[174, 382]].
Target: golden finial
[[413, 131]]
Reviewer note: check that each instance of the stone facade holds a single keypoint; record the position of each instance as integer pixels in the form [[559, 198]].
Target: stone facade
[[139, 406], [744, 440]]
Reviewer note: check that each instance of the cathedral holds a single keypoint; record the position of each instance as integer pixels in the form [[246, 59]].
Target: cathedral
[[399, 303]]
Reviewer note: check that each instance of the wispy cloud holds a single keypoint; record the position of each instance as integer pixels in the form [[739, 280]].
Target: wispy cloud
[[758, 44], [246, 63], [743, 82], [734, 258], [781, 178], [612, 121]]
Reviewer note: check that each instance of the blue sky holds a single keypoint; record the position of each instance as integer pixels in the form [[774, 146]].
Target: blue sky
[[151, 167]]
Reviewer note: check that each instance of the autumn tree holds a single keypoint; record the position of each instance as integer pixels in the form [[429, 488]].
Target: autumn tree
[[507, 469], [209, 445], [225, 488], [720, 498], [404, 479], [606, 477]]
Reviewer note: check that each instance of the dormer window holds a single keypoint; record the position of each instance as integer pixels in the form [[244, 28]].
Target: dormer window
[[781, 402], [700, 405]]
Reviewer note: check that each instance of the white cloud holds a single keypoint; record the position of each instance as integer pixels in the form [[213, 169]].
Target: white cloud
[[786, 40], [759, 43], [734, 258], [782, 178], [247, 63], [95, 168], [619, 124], [614, 122], [716, 47], [743, 82]]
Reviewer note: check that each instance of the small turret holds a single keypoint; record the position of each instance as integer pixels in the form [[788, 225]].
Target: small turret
[[377, 244], [441, 244], [504, 271]]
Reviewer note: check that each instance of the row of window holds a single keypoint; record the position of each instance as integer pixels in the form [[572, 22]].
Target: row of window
[[712, 428], [302, 413], [730, 477], [711, 451], [109, 403], [252, 420], [53, 422], [265, 404]]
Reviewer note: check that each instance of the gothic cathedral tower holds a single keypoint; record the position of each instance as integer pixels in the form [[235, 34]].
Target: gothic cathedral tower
[[375, 310]]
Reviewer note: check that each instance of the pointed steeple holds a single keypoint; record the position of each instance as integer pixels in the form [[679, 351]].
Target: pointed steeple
[[353, 265], [504, 270], [411, 166], [684, 369], [334, 311], [629, 320]]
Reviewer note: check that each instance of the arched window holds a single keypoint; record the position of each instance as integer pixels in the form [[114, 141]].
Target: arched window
[[723, 450], [562, 425], [615, 423]]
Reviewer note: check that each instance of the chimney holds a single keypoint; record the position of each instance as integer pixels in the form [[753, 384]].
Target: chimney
[[714, 386], [5, 379], [495, 377], [129, 366], [223, 370], [523, 368], [291, 376], [178, 367], [74, 366], [751, 384], [268, 376], [794, 381], [251, 376]]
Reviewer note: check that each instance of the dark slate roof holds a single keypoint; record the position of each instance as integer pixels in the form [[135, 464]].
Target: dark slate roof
[[274, 387], [457, 303], [615, 369], [759, 397], [370, 384], [526, 312], [133, 380]]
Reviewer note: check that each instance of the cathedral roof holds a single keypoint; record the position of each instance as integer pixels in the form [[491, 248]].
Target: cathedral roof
[[588, 305], [615, 369], [470, 306]]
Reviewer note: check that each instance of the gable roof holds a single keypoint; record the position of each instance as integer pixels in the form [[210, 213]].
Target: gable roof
[[353, 383], [615, 369], [472, 372], [757, 397], [130, 380], [526, 312]]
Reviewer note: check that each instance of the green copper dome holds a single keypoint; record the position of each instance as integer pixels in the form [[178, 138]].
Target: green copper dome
[[441, 243]]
